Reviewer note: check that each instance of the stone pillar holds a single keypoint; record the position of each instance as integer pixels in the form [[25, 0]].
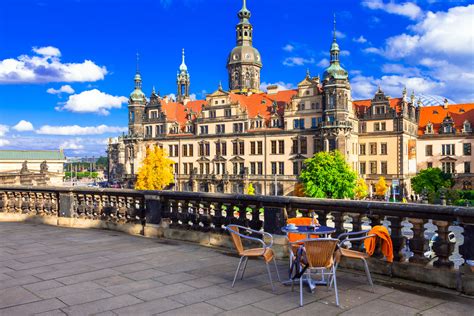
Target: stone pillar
[[398, 239], [153, 209], [442, 247], [417, 243], [273, 220], [66, 204]]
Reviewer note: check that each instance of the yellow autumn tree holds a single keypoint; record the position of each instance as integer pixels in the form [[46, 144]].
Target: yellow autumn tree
[[250, 189], [156, 171], [381, 187], [361, 189]]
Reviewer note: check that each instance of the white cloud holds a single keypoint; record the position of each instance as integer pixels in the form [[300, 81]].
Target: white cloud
[[323, 63], [72, 144], [23, 126], [79, 130], [46, 66], [340, 34], [344, 53], [361, 39], [64, 89], [288, 48], [193, 97], [171, 96], [47, 51], [4, 142], [3, 130], [92, 101], [297, 61], [280, 84], [408, 9], [372, 50], [401, 69]]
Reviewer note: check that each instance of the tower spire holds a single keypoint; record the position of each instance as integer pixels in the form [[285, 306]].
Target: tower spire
[[138, 77], [183, 67], [334, 30], [138, 63]]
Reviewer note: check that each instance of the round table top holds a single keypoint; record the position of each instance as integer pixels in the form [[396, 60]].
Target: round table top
[[309, 230]]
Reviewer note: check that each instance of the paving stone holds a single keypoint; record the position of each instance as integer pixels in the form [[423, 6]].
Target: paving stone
[[33, 308], [18, 281], [287, 301], [133, 286], [68, 289], [351, 298], [101, 305], [238, 299], [55, 312], [248, 310], [84, 297], [380, 308], [201, 295], [451, 309], [144, 274], [133, 267], [175, 278], [195, 309], [412, 300], [15, 296], [149, 308], [163, 291], [315, 308], [113, 280], [43, 285], [88, 276]]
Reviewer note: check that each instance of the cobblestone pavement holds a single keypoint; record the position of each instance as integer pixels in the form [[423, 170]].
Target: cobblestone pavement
[[47, 270]]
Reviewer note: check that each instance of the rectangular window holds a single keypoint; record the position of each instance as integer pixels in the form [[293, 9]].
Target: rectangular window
[[235, 148], [466, 149], [235, 168], [373, 167], [294, 147], [220, 129], [281, 147], [362, 168], [383, 167], [373, 148], [429, 165], [227, 112], [238, 127], [190, 151], [260, 168], [448, 150], [467, 167], [252, 148], [383, 126], [376, 127], [204, 129], [185, 168], [176, 168], [274, 168], [281, 168], [274, 147], [448, 167], [252, 168], [241, 148], [260, 148], [314, 122], [185, 150], [296, 124], [429, 150], [302, 123], [362, 150], [383, 148], [303, 146], [212, 114]]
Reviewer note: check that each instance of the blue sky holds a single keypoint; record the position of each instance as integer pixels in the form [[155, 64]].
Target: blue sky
[[67, 66]]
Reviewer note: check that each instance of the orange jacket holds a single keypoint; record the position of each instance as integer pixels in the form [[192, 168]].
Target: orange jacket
[[386, 242], [299, 221]]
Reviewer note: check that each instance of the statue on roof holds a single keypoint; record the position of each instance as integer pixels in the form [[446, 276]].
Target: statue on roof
[[24, 167], [44, 167]]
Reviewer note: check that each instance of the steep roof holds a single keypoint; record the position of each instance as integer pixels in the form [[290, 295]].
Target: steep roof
[[362, 105], [436, 114], [32, 155]]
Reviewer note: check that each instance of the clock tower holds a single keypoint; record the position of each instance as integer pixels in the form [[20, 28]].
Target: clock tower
[[244, 62]]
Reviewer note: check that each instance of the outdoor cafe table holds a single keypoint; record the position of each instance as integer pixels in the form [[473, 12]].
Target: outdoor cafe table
[[308, 231]]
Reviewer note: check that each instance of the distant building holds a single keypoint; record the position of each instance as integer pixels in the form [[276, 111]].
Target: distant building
[[243, 135], [32, 167]]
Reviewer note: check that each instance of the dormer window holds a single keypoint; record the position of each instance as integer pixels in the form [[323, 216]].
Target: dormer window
[[429, 128], [276, 122], [467, 128]]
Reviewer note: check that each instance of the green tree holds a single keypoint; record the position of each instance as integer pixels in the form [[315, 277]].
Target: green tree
[[432, 179], [156, 171], [327, 175], [102, 163], [361, 190]]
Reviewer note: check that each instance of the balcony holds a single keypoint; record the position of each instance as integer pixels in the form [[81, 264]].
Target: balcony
[[92, 271]]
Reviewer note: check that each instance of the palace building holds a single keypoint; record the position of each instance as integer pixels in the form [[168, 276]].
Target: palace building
[[242, 135]]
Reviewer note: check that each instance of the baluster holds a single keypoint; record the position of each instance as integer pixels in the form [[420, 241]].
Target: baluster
[[398, 239], [182, 212], [25, 204], [39, 202], [205, 216], [218, 220], [121, 209], [356, 226], [255, 222], [55, 204], [242, 219], [173, 207], [15, 202], [31, 202], [97, 206], [47, 207], [442, 247], [140, 210], [89, 205], [131, 210], [417, 242], [105, 206], [338, 218], [3, 201], [322, 217]]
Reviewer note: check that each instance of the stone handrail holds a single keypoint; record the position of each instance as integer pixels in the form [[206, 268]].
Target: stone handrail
[[209, 212]]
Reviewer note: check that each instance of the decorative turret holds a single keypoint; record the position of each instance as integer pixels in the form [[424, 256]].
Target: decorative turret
[[183, 81], [136, 105], [244, 62], [335, 71]]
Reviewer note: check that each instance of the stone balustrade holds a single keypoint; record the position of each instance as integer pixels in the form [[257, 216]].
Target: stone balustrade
[[411, 225]]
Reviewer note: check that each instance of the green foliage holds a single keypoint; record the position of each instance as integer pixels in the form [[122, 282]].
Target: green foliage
[[361, 190], [102, 163], [327, 175], [82, 174], [432, 179]]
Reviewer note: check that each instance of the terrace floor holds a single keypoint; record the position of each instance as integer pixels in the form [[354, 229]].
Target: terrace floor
[[48, 270]]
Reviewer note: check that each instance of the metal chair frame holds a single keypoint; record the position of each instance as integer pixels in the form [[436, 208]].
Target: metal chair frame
[[244, 258]]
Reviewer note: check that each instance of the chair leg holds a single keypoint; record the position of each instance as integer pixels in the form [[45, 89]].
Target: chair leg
[[270, 276], [237, 271], [245, 266], [335, 284], [301, 290], [367, 272], [276, 268], [330, 284]]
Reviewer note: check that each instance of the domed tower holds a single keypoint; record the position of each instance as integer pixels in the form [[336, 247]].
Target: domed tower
[[244, 62], [136, 106], [338, 114], [183, 81]]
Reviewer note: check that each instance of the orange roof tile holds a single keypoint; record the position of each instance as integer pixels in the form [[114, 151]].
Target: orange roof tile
[[436, 115]]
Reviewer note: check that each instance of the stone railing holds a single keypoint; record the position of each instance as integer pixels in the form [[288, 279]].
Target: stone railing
[[411, 225]]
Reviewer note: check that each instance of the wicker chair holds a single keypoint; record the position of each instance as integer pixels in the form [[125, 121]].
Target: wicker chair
[[266, 252], [321, 255], [354, 254], [295, 238]]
